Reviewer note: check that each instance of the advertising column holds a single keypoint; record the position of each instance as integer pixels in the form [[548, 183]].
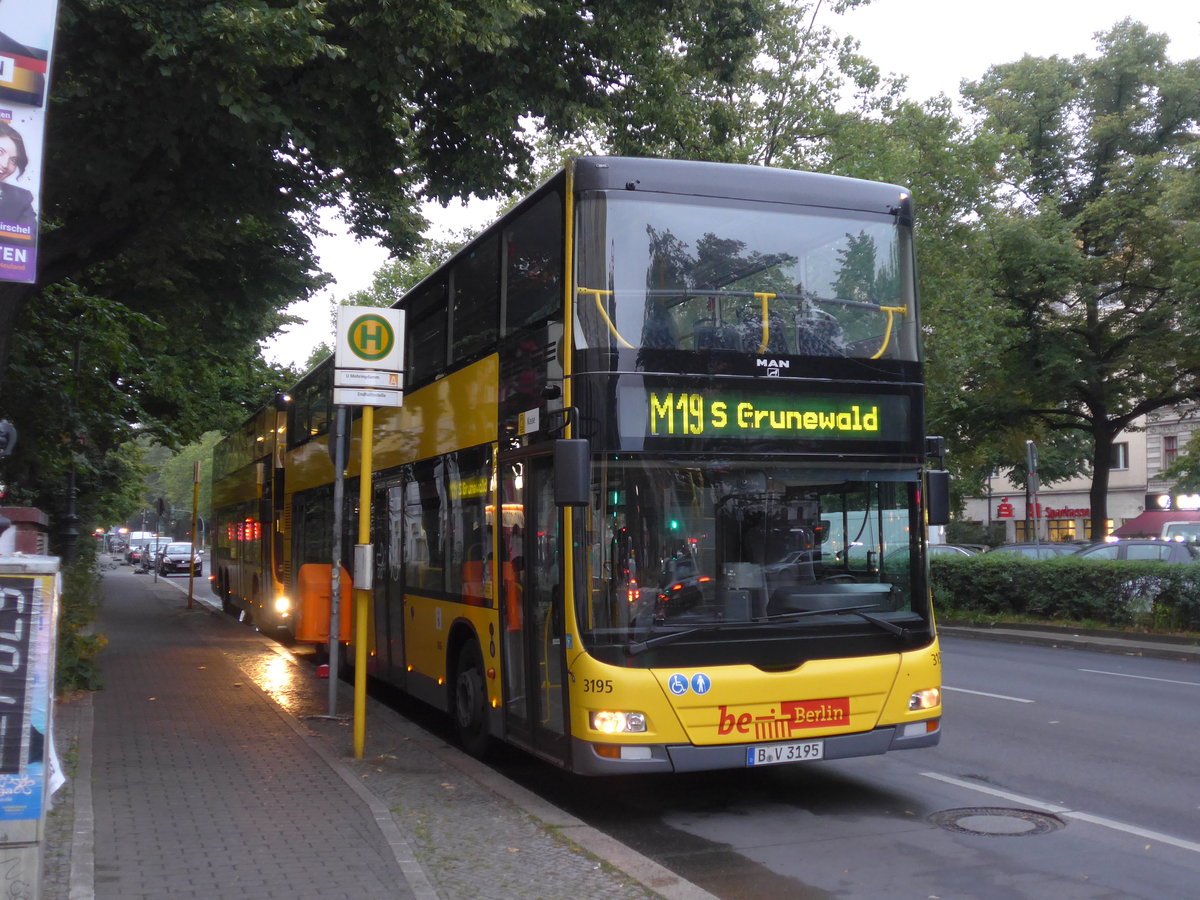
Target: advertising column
[[29, 770], [26, 41]]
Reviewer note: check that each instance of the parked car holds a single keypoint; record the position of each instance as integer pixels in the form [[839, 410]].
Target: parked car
[[136, 549], [1043, 550], [176, 558], [796, 562], [953, 550], [149, 556], [1139, 548]]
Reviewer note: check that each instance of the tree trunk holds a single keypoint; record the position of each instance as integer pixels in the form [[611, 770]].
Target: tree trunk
[[1101, 465]]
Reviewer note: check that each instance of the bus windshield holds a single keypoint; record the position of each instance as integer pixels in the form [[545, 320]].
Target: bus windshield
[[659, 272], [747, 547]]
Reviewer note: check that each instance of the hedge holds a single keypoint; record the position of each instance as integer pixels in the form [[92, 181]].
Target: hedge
[[1118, 594]]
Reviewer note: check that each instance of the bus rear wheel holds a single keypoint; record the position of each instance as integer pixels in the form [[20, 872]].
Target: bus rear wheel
[[470, 701], [226, 598]]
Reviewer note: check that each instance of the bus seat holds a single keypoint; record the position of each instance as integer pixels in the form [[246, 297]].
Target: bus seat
[[750, 330], [715, 337], [473, 582], [819, 334], [658, 328]]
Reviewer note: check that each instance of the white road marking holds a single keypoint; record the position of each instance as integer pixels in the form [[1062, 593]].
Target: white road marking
[[1068, 813], [986, 694], [1142, 677]]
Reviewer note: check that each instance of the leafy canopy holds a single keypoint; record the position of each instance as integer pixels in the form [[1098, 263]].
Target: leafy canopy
[[1093, 258], [191, 144]]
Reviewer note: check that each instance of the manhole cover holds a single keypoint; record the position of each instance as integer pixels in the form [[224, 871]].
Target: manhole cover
[[996, 821]]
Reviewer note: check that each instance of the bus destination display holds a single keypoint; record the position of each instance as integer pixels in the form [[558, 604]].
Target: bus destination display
[[742, 414]]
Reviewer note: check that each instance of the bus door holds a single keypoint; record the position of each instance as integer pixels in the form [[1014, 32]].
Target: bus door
[[532, 607], [389, 581]]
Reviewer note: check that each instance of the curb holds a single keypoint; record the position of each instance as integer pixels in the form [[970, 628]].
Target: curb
[[1122, 643]]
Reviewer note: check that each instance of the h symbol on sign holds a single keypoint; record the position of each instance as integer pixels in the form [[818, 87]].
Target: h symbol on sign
[[371, 335]]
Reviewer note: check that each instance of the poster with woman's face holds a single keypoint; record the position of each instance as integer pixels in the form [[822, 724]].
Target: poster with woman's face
[[26, 40]]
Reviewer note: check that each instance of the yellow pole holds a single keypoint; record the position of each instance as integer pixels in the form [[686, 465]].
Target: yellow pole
[[361, 596], [195, 513]]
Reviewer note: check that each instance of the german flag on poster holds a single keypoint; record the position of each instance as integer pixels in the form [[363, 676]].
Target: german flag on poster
[[22, 72]]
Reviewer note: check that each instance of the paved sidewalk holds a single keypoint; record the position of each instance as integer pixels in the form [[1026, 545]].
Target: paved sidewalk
[[206, 767]]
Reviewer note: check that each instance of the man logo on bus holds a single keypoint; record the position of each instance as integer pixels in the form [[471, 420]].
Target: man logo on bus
[[371, 337]]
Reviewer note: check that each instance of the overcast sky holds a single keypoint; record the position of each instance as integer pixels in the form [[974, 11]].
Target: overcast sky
[[936, 43]]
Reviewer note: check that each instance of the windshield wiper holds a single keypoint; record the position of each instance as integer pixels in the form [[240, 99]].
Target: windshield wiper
[[633, 648], [860, 611]]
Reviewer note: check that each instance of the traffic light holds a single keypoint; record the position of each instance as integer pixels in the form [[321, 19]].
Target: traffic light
[[8, 438]]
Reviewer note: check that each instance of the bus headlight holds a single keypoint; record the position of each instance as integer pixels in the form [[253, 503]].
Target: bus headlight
[[926, 699], [612, 722], [282, 605]]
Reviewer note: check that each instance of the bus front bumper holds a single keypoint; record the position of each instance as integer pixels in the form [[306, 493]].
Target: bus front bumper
[[638, 758]]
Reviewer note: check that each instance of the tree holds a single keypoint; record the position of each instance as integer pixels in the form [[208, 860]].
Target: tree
[[173, 481], [1094, 257], [191, 144], [82, 387]]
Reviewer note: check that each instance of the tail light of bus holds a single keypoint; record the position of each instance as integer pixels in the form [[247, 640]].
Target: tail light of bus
[[926, 699], [614, 722]]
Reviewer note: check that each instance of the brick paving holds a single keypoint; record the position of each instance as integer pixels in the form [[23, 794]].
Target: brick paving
[[200, 787]]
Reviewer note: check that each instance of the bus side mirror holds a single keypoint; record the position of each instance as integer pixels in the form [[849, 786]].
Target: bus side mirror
[[937, 496], [572, 475]]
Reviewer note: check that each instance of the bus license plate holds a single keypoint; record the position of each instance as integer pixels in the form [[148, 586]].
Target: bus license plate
[[773, 754]]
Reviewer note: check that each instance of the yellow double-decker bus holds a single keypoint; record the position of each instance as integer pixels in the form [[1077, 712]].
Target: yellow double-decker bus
[[246, 543], [656, 499]]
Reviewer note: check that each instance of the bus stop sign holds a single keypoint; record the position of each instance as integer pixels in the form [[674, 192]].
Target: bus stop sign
[[369, 337]]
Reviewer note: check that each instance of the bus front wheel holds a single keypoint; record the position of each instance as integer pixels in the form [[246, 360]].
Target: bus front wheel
[[470, 701]]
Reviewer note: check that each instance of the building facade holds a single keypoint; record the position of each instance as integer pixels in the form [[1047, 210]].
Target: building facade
[[1062, 511]]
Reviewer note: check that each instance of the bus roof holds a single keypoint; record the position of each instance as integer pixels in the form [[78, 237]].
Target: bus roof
[[693, 178]]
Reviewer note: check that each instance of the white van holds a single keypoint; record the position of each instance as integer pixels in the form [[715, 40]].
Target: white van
[[1181, 531]]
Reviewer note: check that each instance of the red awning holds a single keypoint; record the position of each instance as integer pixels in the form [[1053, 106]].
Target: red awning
[[1150, 523]]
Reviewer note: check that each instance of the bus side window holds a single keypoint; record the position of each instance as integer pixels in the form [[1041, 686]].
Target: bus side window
[[533, 264], [426, 329], [476, 281]]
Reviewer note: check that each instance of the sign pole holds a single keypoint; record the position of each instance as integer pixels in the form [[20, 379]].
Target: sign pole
[[195, 516], [362, 581], [367, 368]]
